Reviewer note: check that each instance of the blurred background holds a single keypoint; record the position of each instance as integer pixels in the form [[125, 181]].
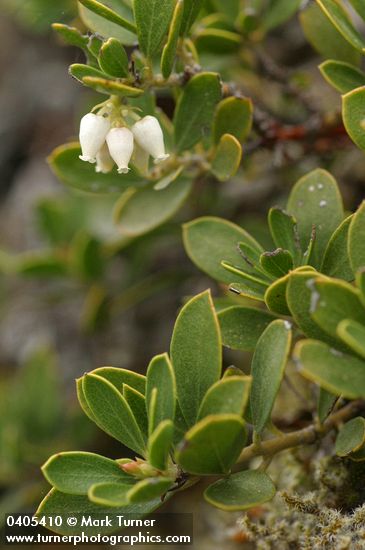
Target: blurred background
[[55, 326]]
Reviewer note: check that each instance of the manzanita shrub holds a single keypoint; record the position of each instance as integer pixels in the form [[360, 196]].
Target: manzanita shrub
[[186, 419], [301, 301]]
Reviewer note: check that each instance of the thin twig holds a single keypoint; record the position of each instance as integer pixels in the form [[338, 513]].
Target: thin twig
[[301, 437]]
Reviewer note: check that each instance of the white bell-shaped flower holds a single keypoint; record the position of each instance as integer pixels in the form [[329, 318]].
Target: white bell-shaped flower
[[104, 162], [149, 136], [93, 131], [120, 142]]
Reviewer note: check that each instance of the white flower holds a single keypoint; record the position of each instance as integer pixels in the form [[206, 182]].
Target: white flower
[[104, 162], [93, 131], [120, 142], [149, 136]]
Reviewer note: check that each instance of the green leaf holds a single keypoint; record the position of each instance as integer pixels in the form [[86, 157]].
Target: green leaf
[[233, 116], [170, 48], [109, 494], [335, 300], [209, 240], [191, 12], [241, 326], [275, 296], [104, 11], [82, 400], [326, 401], [230, 8], [40, 264], [149, 489], [74, 472], [358, 456], [67, 166], [227, 158], [353, 334], [336, 261], [315, 200], [167, 180], [153, 18], [159, 445], [137, 403], [267, 370], [283, 229], [360, 284], [325, 38], [227, 396], [152, 406], [277, 263], [118, 377], [359, 6], [341, 20], [217, 41], [138, 212], [246, 291], [80, 71], [104, 27], [86, 257], [94, 45], [353, 114], [351, 436], [196, 353], [160, 375], [344, 77], [253, 276], [213, 445], [113, 58], [112, 412], [57, 503], [356, 239], [334, 371], [301, 298], [278, 12], [71, 35], [107, 86], [241, 491], [195, 110]]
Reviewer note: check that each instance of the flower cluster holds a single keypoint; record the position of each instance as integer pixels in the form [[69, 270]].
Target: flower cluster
[[105, 143]]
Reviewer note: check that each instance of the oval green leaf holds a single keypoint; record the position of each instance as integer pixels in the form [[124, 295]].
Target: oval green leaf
[[351, 436], [112, 412], [241, 326], [241, 491], [315, 201], [153, 18], [196, 353], [334, 371], [67, 166], [138, 212], [227, 158], [343, 76], [353, 114], [195, 110], [213, 445], [233, 116], [74, 472], [113, 58], [267, 370], [160, 375], [227, 396], [356, 239], [210, 240]]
